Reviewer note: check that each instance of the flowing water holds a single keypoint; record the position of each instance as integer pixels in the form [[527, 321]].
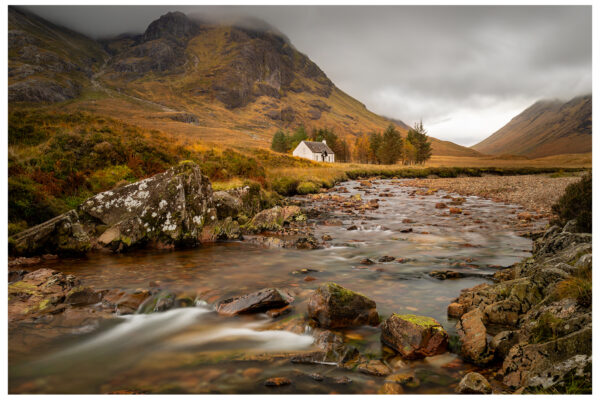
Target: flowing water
[[194, 350]]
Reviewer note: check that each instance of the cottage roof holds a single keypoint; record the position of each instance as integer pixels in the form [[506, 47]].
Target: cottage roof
[[318, 147]]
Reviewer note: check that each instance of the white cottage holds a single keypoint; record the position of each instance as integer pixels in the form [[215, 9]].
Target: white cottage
[[316, 151]]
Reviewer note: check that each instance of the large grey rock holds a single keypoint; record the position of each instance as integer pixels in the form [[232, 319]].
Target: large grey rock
[[60, 235], [168, 209]]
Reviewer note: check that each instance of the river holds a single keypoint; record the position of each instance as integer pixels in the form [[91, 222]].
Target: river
[[194, 350]]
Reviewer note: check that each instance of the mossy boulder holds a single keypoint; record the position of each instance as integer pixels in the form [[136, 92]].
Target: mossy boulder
[[414, 336], [274, 219], [167, 209], [333, 306], [474, 383]]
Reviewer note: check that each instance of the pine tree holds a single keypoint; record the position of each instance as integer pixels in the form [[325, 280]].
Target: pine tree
[[390, 150], [375, 140], [419, 139], [279, 142]]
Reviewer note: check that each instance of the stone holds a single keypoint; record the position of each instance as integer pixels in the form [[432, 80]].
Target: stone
[[386, 259], [455, 310], [503, 342], [82, 296], [274, 219], [125, 302], [473, 337], [374, 367], [414, 336], [277, 381], [333, 306], [260, 301], [440, 205], [61, 235], [391, 388], [226, 204], [367, 261], [408, 379], [474, 383], [167, 209], [278, 312], [455, 210], [448, 274]]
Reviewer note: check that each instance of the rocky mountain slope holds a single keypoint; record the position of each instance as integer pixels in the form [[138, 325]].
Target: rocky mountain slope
[[233, 84], [548, 127]]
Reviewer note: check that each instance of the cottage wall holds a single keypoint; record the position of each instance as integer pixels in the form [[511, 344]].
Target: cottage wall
[[303, 151]]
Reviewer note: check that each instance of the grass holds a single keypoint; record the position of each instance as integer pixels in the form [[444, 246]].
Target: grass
[[578, 287], [546, 328]]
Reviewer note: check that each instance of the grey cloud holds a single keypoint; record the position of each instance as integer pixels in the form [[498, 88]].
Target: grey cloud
[[411, 62]]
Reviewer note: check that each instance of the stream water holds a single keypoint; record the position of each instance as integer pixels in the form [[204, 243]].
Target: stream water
[[194, 350]]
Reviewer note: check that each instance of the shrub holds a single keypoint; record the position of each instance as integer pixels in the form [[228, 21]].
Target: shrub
[[307, 188], [579, 287], [285, 186], [576, 203]]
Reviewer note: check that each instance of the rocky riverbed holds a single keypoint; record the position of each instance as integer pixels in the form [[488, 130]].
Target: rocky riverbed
[[263, 314]]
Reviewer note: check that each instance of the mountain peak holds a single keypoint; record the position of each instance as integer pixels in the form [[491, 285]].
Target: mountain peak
[[173, 25]]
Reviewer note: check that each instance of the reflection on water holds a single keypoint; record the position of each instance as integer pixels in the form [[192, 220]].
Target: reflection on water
[[195, 350]]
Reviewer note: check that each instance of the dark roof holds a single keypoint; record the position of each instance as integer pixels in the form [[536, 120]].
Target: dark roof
[[318, 147]]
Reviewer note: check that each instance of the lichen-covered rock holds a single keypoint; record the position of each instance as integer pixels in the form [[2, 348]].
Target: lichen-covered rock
[[474, 383], [46, 291], [60, 235], [274, 218], [534, 364], [260, 301], [333, 306], [473, 337], [414, 336], [168, 209]]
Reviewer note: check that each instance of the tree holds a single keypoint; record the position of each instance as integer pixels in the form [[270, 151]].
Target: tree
[[361, 149], [375, 140], [417, 136], [390, 150], [295, 139], [409, 154], [279, 142]]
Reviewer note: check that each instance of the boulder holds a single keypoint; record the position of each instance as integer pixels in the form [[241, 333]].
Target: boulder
[[414, 336], [168, 209], [124, 302], [263, 300], [473, 337], [474, 383], [60, 235], [274, 218], [333, 306], [455, 310], [226, 204], [82, 296], [503, 342]]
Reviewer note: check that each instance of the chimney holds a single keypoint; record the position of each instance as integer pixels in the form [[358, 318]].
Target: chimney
[[324, 141]]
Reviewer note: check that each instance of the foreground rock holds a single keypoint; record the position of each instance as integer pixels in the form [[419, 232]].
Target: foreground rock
[[260, 301], [170, 209], [473, 336], [47, 292], [333, 306], [63, 234], [274, 219], [474, 383], [414, 336], [541, 308]]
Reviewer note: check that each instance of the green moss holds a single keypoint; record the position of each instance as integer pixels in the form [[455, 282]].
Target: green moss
[[22, 287], [425, 322], [341, 293], [546, 328], [307, 188]]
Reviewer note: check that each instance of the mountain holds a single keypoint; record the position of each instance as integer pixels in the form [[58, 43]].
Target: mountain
[[231, 83], [547, 128]]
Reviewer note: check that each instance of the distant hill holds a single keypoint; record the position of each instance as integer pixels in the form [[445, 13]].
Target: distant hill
[[548, 127], [234, 84]]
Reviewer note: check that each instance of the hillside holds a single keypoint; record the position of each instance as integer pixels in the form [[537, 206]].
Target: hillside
[[232, 85], [547, 128]]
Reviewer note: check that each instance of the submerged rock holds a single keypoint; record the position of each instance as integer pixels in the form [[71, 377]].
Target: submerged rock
[[414, 336], [278, 381], [333, 306], [260, 301], [474, 383]]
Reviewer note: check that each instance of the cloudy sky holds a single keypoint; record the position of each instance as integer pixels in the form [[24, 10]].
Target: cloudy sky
[[464, 70]]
